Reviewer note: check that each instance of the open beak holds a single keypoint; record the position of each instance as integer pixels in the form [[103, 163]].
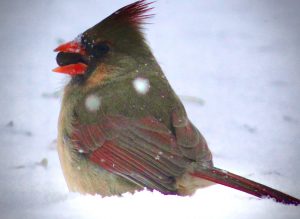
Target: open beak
[[72, 47], [65, 58]]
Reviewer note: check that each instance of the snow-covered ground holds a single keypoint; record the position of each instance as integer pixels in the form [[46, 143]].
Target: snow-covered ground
[[240, 58]]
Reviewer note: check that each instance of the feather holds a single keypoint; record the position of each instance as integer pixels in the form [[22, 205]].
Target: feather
[[245, 185], [134, 14]]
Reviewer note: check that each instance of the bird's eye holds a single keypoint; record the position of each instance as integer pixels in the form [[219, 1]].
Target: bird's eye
[[100, 49]]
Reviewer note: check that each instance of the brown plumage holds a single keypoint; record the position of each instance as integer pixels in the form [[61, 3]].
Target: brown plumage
[[122, 127]]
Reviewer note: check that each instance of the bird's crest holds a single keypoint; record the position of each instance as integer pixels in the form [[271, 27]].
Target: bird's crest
[[134, 14]]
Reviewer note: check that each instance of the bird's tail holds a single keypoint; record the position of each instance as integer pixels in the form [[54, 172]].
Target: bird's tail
[[240, 183]]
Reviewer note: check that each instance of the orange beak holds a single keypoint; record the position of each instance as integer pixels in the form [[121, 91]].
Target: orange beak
[[71, 69], [72, 47]]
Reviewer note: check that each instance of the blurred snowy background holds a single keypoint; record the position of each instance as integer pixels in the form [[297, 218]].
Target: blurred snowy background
[[241, 59]]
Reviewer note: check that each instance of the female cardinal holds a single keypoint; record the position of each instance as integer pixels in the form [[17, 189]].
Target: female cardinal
[[122, 128]]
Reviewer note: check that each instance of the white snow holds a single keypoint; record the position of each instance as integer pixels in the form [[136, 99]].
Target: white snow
[[92, 102], [241, 58], [141, 85]]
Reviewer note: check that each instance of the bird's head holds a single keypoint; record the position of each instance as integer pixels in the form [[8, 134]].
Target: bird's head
[[117, 37]]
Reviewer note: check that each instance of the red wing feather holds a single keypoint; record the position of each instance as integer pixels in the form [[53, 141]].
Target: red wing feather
[[148, 154], [190, 141], [87, 138], [144, 151]]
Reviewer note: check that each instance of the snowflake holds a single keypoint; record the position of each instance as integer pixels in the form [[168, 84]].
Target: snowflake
[[92, 102], [141, 85]]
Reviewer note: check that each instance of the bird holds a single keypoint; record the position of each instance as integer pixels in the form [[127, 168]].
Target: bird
[[122, 128]]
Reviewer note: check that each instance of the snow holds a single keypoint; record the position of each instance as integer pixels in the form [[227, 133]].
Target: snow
[[141, 85], [92, 102], [239, 58]]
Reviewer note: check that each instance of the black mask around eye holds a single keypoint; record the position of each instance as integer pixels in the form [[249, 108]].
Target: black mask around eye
[[100, 50]]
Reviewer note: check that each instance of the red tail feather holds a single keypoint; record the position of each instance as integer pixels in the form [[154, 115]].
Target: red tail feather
[[240, 183]]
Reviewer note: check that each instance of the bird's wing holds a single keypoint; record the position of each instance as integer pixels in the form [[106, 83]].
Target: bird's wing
[[144, 151], [147, 153]]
